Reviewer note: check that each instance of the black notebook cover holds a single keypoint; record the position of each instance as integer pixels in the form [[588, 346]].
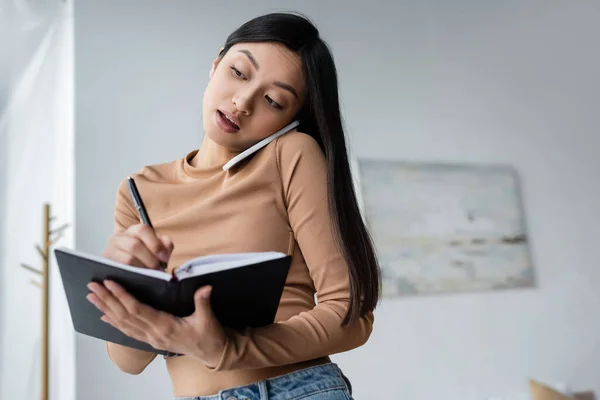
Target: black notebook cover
[[246, 296]]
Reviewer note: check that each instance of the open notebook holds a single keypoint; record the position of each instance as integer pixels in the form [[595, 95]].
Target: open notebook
[[247, 288]]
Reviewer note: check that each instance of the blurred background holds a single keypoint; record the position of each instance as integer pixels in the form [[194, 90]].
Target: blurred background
[[91, 91]]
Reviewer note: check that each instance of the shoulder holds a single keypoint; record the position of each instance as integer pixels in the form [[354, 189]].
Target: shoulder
[[149, 174], [164, 172], [296, 140], [296, 145], [301, 163], [156, 173]]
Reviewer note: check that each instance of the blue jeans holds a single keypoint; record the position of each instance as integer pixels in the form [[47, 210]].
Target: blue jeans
[[322, 382]]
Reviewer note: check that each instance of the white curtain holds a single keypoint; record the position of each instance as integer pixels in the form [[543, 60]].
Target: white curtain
[[37, 132]]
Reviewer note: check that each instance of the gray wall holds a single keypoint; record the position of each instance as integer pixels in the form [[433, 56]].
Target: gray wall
[[3, 162], [467, 81], [4, 85], [17, 45]]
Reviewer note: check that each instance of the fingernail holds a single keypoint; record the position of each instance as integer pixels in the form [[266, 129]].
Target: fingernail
[[163, 256], [90, 298], [90, 286], [206, 292]]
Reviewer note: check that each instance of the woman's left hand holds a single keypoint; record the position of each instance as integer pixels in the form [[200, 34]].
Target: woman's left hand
[[199, 335]]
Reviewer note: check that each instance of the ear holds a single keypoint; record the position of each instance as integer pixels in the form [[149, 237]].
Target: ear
[[215, 62]]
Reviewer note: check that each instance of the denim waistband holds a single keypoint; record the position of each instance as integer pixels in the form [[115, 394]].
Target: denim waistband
[[295, 385]]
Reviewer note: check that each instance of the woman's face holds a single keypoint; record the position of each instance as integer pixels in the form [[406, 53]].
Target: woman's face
[[254, 90]]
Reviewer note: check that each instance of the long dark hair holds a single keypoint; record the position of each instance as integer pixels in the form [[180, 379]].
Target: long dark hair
[[320, 117]]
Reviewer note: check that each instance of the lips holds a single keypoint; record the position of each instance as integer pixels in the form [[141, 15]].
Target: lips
[[227, 122]]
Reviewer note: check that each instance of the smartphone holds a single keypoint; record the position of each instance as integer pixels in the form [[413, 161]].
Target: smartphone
[[259, 145]]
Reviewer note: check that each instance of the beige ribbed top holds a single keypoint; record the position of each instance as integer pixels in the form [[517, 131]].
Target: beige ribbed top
[[274, 201]]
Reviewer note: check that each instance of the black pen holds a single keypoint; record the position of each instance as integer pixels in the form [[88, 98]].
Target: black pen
[[139, 206]]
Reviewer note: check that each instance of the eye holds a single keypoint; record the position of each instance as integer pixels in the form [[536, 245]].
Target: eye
[[237, 72], [273, 103]]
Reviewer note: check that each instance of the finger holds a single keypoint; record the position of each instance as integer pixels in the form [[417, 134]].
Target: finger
[[155, 323], [202, 300], [97, 302], [152, 242], [113, 308], [169, 246], [129, 303], [109, 303], [124, 257], [122, 324], [130, 330], [136, 249], [113, 252]]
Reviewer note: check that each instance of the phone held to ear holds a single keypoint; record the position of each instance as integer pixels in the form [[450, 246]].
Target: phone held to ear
[[259, 145]]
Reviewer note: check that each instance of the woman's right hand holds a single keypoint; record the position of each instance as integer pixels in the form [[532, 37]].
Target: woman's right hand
[[139, 246]]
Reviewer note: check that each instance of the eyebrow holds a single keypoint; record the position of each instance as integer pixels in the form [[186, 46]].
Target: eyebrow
[[282, 85], [287, 87], [250, 57]]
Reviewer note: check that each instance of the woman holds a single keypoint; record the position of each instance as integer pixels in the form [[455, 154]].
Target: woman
[[294, 195]]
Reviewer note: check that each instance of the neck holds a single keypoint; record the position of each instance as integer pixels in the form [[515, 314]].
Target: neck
[[210, 154]]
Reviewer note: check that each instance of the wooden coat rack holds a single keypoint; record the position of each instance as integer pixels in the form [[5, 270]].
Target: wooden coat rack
[[49, 238]]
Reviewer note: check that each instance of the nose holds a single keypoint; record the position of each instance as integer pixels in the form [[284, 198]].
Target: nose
[[243, 103]]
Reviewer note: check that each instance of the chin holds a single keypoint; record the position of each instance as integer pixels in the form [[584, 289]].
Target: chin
[[224, 139], [219, 137]]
